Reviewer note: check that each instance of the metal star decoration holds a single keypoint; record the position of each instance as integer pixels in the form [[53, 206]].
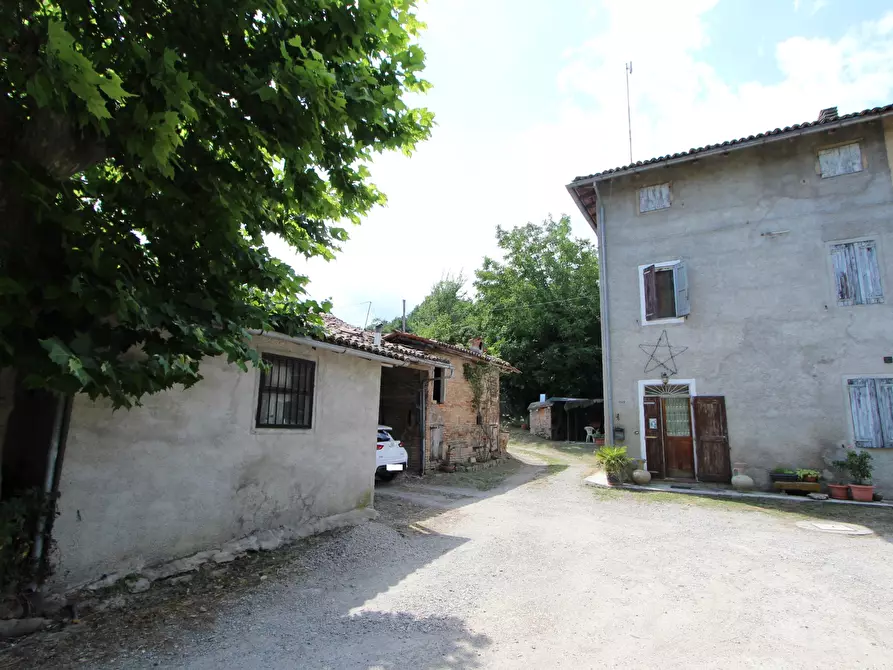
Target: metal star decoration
[[662, 355]]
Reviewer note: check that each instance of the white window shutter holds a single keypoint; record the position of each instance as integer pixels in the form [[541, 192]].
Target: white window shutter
[[864, 408], [869, 273], [841, 160], [885, 409], [680, 282], [845, 280], [654, 197]]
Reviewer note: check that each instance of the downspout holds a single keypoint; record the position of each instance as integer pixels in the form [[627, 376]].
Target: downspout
[[423, 411], [607, 385]]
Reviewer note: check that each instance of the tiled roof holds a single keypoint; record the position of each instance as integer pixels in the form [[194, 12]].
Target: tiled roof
[[464, 351], [834, 120], [342, 333]]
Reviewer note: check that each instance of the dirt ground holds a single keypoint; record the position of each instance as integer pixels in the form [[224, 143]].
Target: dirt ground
[[530, 570]]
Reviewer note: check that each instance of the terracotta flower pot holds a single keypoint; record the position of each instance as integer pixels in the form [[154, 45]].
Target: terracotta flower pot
[[838, 491], [861, 492]]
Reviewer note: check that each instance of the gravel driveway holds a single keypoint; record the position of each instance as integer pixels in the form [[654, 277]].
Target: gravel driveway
[[543, 572]]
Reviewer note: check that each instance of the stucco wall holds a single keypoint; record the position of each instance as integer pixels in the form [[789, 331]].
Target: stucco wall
[[457, 415], [188, 470], [765, 330]]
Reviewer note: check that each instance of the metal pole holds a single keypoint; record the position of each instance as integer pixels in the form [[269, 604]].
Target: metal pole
[[368, 309], [629, 122], [404, 315]]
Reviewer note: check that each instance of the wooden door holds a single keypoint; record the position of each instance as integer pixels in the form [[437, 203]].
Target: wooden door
[[654, 444], [677, 437], [711, 431]]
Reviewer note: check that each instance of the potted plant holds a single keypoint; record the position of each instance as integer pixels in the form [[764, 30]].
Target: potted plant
[[615, 462], [858, 464], [808, 475], [784, 475]]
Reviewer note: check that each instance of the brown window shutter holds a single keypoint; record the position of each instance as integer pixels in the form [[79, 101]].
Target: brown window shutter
[[650, 292]]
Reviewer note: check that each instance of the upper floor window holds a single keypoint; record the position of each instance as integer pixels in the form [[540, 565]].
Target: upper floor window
[[285, 396], [439, 386], [836, 161], [664, 292], [654, 197], [857, 277]]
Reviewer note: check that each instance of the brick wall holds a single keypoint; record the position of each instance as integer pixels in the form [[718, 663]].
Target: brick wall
[[541, 422], [457, 417]]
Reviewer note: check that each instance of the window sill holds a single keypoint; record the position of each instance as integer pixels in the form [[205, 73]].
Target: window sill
[[284, 432], [664, 322]]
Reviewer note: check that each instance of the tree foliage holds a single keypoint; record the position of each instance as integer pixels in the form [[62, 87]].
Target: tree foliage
[[538, 308], [446, 314], [147, 148]]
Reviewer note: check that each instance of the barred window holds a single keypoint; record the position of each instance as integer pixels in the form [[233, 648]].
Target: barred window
[[285, 398]]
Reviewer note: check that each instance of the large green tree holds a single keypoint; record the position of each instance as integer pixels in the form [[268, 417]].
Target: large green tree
[[446, 314], [146, 149], [539, 310]]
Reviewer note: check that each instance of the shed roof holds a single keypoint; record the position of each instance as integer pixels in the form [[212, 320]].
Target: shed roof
[[454, 348], [342, 333], [569, 403]]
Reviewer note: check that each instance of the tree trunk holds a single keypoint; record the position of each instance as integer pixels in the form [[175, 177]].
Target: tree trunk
[[7, 402]]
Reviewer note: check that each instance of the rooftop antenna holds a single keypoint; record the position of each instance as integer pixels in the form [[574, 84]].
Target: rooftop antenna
[[629, 123]]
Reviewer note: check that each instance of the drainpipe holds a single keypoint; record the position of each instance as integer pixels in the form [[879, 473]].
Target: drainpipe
[[607, 386], [51, 479]]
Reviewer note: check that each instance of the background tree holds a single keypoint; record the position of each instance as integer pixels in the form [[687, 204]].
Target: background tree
[[446, 313], [147, 147], [539, 309]]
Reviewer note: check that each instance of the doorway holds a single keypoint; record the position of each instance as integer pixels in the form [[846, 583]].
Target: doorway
[[669, 441]]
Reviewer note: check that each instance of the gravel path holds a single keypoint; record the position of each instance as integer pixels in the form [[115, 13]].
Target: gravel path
[[551, 574]]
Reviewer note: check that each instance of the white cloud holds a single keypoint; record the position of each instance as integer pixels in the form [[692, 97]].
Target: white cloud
[[483, 168]]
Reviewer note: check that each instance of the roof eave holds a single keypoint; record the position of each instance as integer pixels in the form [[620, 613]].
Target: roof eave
[[727, 148]]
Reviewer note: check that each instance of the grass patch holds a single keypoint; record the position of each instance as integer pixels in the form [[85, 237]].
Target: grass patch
[[482, 480], [879, 519]]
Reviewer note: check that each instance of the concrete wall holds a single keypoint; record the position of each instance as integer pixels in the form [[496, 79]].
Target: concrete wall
[[188, 471], [765, 330], [457, 416]]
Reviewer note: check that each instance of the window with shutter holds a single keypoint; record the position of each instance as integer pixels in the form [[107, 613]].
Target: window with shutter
[[857, 275], [840, 160], [871, 409], [664, 292]]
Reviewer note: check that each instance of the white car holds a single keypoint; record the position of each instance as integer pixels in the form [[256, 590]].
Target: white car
[[390, 456]]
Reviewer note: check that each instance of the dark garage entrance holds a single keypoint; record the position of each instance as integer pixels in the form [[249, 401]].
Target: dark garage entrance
[[402, 406]]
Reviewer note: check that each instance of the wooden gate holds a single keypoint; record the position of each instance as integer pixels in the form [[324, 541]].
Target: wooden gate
[[712, 439]]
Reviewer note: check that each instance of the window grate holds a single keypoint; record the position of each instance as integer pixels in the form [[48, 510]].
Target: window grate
[[285, 397]]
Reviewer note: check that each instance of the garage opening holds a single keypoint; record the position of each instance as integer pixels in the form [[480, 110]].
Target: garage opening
[[402, 408]]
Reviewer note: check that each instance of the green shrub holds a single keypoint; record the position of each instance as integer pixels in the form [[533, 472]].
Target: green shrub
[[19, 519], [614, 460], [803, 473], [858, 464]]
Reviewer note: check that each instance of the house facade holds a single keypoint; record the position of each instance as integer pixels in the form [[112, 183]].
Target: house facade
[[747, 300], [289, 449], [459, 404]]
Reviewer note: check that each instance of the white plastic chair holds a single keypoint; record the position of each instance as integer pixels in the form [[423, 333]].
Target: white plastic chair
[[590, 433]]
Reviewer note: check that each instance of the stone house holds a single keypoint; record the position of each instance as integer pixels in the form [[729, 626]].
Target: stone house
[[240, 458], [457, 411], [747, 299]]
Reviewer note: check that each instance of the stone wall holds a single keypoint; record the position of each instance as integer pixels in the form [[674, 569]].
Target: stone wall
[[456, 416], [541, 422], [188, 470]]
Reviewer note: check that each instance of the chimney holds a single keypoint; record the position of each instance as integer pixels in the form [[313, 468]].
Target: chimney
[[829, 114], [477, 344], [376, 336]]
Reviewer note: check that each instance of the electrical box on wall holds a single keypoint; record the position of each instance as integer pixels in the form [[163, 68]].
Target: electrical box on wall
[[888, 359]]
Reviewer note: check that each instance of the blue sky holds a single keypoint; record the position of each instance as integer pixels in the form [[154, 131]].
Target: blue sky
[[529, 94]]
